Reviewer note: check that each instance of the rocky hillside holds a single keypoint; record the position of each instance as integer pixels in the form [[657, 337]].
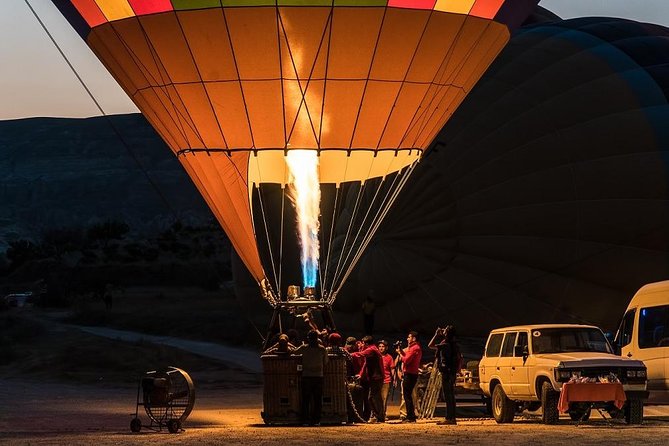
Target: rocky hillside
[[57, 172]]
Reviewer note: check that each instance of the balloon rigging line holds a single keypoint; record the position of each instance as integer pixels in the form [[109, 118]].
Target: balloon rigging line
[[199, 75], [435, 127], [349, 266], [97, 104], [283, 202], [367, 212], [241, 86], [381, 213], [283, 94], [370, 234], [161, 86], [269, 242], [444, 64], [330, 239], [404, 78], [325, 80], [332, 227], [348, 230], [369, 72], [299, 83]]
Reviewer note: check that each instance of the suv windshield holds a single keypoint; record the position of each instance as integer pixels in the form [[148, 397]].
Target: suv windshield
[[561, 340]]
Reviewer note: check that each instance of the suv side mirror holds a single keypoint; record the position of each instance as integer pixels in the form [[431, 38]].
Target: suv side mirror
[[521, 350]]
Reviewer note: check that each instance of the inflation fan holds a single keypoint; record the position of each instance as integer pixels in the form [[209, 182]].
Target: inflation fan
[[167, 396]]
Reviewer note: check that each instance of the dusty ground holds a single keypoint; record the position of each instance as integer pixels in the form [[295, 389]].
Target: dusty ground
[[39, 413]]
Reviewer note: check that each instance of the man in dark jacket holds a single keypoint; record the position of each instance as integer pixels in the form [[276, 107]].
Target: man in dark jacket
[[448, 359], [314, 360]]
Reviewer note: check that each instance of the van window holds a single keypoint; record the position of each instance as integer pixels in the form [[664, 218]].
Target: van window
[[522, 339], [654, 327], [625, 331], [509, 342], [494, 345]]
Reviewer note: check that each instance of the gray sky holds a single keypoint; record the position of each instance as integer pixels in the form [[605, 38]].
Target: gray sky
[[35, 81]]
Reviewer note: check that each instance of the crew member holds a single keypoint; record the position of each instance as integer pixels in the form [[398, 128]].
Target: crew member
[[388, 366], [314, 359], [448, 359], [411, 364], [371, 379]]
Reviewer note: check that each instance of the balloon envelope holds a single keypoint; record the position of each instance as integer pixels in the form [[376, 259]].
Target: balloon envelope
[[546, 197], [232, 86]]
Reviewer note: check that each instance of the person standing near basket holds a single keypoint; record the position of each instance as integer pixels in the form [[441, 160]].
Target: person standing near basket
[[314, 360], [448, 361]]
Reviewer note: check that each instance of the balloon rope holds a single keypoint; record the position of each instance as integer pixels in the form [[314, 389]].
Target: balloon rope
[[283, 205], [369, 73], [162, 85], [331, 238], [404, 79], [269, 241], [362, 223], [204, 87], [348, 230], [97, 104], [436, 126], [444, 63], [239, 79], [380, 216], [303, 92]]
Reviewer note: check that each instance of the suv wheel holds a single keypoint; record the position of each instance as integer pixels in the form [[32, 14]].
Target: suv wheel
[[549, 403], [634, 411], [503, 409]]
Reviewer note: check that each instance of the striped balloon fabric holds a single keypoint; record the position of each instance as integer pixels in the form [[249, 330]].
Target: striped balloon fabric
[[232, 86]]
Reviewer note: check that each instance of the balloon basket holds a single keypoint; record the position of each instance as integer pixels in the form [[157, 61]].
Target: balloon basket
[[282, 392]]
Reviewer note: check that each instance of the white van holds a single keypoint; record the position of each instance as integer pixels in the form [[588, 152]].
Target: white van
[[644, 335]]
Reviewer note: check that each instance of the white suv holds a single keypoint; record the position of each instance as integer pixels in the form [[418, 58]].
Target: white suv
[[524, 367]]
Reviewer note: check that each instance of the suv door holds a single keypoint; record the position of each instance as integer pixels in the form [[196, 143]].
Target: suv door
[[503, 369], [518, 374], [488, 364]]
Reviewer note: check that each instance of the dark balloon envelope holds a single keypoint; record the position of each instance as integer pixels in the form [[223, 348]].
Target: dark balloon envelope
[[544, 198]]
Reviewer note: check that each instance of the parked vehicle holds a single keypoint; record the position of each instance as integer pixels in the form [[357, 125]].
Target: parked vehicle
[[18, 299], [643, 334], [524, 367]]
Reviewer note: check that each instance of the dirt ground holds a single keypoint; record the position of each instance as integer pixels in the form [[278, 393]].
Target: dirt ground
[[42, 413]]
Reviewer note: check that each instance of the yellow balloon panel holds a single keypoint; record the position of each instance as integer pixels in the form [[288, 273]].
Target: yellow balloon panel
[[334, 166]]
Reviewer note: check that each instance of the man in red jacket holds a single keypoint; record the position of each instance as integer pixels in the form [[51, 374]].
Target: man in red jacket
[[371, 379], [410, 364], [388, 366]]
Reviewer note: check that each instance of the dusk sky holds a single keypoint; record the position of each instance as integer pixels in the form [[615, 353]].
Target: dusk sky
[[35, 80]]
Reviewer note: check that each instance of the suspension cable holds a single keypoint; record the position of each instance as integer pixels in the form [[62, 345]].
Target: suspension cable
[[99, 107]]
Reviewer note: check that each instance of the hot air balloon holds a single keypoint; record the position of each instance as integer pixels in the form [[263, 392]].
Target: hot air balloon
[[545, 197], [298, 120]]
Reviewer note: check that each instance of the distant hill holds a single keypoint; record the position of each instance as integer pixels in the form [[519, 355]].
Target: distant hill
[[57, 172]]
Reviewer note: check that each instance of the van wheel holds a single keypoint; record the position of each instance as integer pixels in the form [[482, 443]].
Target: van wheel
[[503, 408], [634, 411], [549, 403]]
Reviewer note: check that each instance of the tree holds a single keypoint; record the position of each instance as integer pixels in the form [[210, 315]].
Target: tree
[[20, 252], [107, 231]]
